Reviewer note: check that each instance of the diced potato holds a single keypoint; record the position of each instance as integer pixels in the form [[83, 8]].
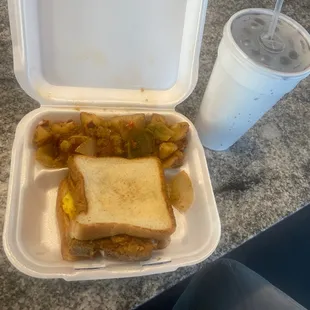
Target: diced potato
[[180, 131], [42, 135], [65, 146], [90, 123], [138, 120], [181, 191], [166, 149], [47, 155], [87, 118], [64, 130], [77, 140], [88, 147], [128, 136], [157, 118], [174, 161], [160, 131]]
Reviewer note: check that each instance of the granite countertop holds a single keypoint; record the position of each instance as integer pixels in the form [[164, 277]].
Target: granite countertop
[[264, 177]]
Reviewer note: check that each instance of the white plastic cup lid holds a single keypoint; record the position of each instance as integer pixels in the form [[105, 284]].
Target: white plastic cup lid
[[291, 59]]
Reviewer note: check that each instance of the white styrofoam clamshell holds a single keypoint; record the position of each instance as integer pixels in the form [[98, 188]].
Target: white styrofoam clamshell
[[89, 55], [120, 46], [31, 238]]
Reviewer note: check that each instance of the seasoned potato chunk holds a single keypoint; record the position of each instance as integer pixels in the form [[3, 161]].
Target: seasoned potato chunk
[[129, 136], [166, 149], [174, 161], [42, 135], [157, 118], [180, 131]]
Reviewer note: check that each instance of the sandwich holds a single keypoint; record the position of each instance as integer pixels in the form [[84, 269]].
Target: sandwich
[[113, 206]]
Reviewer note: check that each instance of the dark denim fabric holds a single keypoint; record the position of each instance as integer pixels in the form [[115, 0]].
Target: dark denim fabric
[[229, 285]]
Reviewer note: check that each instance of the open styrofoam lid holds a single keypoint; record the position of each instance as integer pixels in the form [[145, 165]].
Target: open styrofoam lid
[[107, 52]]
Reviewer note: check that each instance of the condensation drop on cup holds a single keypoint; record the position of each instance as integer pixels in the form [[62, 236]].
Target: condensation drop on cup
[[246, 42]]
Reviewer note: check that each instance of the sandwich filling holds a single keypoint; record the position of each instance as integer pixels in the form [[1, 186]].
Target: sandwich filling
[[120, 246], [68, 206]]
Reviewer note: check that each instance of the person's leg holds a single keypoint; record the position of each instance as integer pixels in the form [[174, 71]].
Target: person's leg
[[229, 285], [281, 255]]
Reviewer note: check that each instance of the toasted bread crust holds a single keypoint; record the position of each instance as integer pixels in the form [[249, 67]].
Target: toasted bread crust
[[103, 230], [165, 194], [64, 223], [77, 187]]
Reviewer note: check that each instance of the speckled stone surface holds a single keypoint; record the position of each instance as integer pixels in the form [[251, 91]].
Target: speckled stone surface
[[264, 177]]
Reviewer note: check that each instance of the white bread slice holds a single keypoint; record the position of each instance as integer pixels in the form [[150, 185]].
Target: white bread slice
[[121, 196]]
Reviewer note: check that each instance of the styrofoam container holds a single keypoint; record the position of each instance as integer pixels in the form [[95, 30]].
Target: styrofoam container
[[108, 57]]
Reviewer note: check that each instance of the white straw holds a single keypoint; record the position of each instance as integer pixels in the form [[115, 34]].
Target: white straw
[[274, 20]]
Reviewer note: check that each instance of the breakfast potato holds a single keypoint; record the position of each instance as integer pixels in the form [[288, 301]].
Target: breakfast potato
[[42, 135], [65, 146], [77, 140], [174, 161], [157, 118], [63, 130], [166, 149], [180, 131], [88, 118], [48, 156], [128, 136], [90, 123]]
